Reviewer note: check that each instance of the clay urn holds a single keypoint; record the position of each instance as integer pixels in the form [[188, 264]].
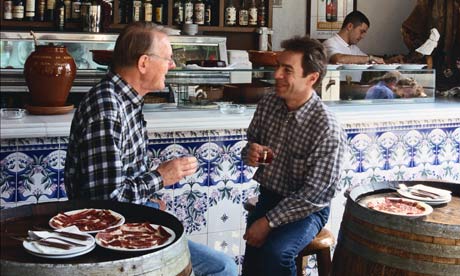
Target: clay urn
[[49, 72]]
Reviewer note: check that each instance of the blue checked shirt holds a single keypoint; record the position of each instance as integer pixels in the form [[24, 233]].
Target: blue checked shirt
[[308, 146], [107, 150]]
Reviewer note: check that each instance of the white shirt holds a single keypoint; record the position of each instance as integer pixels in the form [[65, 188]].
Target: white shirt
[[336, 45]]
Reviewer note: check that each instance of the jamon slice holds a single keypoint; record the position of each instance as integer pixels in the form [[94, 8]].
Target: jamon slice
[[86, 220]]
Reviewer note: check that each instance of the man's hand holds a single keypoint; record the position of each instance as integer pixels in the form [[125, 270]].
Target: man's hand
[[395, 59], [374, 59], [255, 151], [174, 170], [257, 233]]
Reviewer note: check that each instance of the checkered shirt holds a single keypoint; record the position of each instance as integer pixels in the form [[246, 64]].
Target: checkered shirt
[[308, 146], [107, 150]]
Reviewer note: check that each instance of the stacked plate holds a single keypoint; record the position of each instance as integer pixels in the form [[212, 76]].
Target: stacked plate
[[76, 247], [427, 194]]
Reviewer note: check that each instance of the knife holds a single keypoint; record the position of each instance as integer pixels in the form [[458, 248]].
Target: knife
[[66, 234], [42, 242]]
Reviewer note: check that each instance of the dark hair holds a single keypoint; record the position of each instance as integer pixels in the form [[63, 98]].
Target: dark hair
[[313, 55], [135, 40], [356, 18]]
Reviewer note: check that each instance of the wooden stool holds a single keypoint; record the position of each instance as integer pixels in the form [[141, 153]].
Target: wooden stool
[[319, 246]]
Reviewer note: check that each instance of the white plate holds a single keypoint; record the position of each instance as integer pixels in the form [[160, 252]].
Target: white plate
[[120, 222], [333, 66], [51, 252], [411, 66], [427, 208], [168, 241], [431, 201], [356, 66], [385, 66], [66, 256]]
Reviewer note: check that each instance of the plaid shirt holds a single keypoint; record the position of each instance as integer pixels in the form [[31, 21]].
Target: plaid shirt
[[107, 151], [308, 146]]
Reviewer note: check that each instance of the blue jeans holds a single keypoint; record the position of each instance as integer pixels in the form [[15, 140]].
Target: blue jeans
[[207, 261], [277, 255]]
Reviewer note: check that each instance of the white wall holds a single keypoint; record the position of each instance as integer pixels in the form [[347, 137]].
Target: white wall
[[384, 36]]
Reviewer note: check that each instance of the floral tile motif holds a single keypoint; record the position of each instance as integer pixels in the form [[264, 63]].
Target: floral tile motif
[[8, 174], [40, 161], [226, 164], [227, 242], [191, 136], [224, 207], [191, 208]]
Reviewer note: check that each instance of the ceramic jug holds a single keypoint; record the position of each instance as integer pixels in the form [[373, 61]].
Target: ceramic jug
[[49, 72]]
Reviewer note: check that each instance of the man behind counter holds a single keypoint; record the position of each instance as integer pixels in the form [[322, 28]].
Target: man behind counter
[[341, 48], [107, 151]]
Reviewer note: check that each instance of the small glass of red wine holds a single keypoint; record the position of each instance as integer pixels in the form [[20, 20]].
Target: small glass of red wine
[[265, 157]]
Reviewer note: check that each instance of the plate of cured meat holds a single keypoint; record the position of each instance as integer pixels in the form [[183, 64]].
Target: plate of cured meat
[[397, 206], [87, 220], [135, 237]]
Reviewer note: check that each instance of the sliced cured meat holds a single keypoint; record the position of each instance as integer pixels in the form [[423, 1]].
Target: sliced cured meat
[[397, 206], [87, 220], [134, 236]]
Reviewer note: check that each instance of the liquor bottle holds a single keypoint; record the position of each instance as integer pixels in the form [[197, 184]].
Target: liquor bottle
[[252, 14], [208, 13], [198, 12], [261, 14], [136, 11], [84, 14], [148, 11], [68, 10], [41, 7], [30, 10], [49, 12], [188, 12], [243, 14], [159, 13], [331, 10], [75, 14], [18, 10], [178, 13], [59, 15], [8, 10], [230, 14]]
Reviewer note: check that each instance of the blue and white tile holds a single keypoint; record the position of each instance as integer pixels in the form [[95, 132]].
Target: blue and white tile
[[191, 208], [224, 207], [198, 238], [227, 242]]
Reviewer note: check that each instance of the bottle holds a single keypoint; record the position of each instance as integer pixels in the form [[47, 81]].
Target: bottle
[[188, 12], [40, 13], [243, 14], [84, 13], [159, 13], [68, 10], [18, 10], [136, 11], [178, 13], [230, 14], [208, 13], [75, 14], [49, 12], [8, 10], [261, 14], [30, 10], [198, 12], [252, 14], [59, 15], [331, 10], [148, 11]]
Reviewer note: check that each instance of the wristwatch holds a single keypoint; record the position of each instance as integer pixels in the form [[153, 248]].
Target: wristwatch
[[270, 224]]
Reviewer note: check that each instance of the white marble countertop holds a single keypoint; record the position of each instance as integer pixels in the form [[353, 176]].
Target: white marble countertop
[[352, 117]]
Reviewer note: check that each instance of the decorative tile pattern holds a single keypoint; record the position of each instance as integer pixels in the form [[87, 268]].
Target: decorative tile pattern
[[210, 202]]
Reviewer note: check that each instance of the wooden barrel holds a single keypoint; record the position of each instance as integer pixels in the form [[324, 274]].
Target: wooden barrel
[[374, 243], [173, 259]]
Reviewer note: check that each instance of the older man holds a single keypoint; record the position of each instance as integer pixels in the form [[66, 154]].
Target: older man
[[308, 147], [107, 151]]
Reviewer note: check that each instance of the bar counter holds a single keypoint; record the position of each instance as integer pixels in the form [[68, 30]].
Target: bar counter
[[386, 142]]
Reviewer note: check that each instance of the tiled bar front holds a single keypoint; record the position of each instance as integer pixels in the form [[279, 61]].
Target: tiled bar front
[[209, 203]]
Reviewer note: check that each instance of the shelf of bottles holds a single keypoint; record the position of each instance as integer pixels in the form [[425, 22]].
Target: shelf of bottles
[[113, 15]]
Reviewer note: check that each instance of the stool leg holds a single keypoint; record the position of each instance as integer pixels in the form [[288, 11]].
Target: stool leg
[[299, 265], [323, 258]]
